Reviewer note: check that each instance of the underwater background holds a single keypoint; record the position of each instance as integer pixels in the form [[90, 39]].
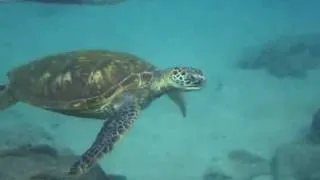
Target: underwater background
[[238, 109]]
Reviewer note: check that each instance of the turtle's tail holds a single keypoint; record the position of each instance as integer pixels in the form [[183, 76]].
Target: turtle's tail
[[6, 99]]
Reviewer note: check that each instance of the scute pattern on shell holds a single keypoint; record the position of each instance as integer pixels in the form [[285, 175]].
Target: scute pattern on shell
[[73, 76]]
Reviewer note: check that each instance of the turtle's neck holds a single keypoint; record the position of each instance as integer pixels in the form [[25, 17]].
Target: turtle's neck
[[160, 82]]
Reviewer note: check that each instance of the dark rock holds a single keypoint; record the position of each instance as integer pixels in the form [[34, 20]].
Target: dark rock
[[215, 176], [14, 135], [238, 165], [314, 134], [315, 50], [75, 2], [315, 126], [296, 161], [43, 162], [287, 56]]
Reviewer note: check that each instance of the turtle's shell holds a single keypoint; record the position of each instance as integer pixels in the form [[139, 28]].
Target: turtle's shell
[[77, 79]]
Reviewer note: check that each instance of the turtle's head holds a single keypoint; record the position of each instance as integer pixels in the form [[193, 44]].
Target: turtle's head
[[185, 78]]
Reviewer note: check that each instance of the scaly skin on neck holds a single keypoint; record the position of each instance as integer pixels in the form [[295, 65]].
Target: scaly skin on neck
[[161, 82]]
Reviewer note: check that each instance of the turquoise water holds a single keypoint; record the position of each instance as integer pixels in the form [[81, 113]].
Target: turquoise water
[[237, 109]]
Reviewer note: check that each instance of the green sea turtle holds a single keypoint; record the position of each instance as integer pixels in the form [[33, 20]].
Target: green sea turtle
[[97, 84]]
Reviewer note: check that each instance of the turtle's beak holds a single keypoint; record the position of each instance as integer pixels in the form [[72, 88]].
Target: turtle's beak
[[198, 82], [201, 81]]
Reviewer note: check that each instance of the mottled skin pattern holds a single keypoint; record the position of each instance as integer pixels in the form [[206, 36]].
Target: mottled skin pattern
[[79, 83], [97, 84]]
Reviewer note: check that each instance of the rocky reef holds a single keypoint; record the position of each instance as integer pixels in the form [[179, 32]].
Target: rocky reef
[[286, 56], [238, 165], [75, 2], [14, 135], [43, 162], [292, 161], [296, 161]]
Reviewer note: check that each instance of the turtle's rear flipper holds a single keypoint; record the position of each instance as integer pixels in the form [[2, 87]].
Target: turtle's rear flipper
[[6, 99]]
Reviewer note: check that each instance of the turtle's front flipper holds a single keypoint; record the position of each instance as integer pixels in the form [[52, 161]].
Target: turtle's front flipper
[[111, 132], [6, 99], [178, 98]]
